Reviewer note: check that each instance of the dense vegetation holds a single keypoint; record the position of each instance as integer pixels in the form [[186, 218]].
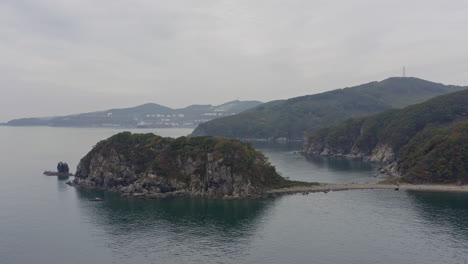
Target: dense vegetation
[[148, 153], [437, 154], [429, 140], [298, 117]]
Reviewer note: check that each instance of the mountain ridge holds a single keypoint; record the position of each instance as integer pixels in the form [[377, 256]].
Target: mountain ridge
[[296, 118], [145, 115]]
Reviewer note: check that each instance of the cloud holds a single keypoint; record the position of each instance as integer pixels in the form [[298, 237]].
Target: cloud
[[120, 53]]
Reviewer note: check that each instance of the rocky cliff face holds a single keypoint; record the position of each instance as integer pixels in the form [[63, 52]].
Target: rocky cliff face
[[350, 147], [149, 166], [422, 143]]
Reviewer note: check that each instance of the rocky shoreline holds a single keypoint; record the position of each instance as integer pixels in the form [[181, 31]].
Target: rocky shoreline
[[300, 189], [149, 166], [382, 153], [175, 194], [56, 173]]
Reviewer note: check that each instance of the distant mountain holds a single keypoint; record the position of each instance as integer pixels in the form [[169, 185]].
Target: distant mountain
[[421, 143], [145, 116], [298, 117]]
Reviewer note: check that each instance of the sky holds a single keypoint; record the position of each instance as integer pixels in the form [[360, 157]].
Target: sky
[[62, 57]]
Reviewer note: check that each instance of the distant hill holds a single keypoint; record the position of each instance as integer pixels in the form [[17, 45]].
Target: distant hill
[[298, 117], [421, 143], [145, 116]]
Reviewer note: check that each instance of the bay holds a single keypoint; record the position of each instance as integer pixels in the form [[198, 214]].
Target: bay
[[43, 220]]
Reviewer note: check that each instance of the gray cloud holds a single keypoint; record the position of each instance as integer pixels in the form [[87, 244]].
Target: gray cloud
[[68, 56]]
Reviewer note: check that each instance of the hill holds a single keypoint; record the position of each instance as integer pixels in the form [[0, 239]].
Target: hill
[[146, 115], [149, 166], [298, 117], [421, 143]]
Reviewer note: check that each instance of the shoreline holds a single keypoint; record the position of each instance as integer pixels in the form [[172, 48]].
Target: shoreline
[[298, 189], [327, 187]]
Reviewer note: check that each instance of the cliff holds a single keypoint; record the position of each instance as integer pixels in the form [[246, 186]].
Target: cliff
[[422, 143], [149, 166]]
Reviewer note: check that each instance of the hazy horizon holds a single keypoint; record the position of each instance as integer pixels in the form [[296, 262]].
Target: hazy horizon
[[68, 57], [118, 107]]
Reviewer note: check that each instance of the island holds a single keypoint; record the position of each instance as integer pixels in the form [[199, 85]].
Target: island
[[62, 171], [150, 166]]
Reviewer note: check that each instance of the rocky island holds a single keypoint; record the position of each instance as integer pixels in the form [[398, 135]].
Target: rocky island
[[62, 170], [150, 166]]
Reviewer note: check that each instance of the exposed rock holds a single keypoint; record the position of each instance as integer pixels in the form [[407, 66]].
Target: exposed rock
[[422, 143], [382, 153], [149, 166], [56, 173], [62, 170]]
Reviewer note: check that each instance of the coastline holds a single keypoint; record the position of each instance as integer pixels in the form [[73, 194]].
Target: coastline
[[325, 187], [298, 189]]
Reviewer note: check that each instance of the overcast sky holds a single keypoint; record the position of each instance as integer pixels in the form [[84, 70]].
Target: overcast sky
[[69, 56]]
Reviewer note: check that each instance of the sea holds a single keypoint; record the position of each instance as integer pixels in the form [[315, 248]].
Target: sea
[[43, 220]]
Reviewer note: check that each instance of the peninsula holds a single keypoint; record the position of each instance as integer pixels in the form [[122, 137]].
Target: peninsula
[[419, 144]]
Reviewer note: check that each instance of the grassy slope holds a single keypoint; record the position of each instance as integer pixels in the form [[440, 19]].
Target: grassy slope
[[298, 117]]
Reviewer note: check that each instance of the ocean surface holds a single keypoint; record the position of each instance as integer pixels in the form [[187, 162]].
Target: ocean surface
[[43, 220]]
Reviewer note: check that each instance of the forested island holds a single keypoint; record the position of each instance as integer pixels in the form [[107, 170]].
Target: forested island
[[422, 143], [150, 166]]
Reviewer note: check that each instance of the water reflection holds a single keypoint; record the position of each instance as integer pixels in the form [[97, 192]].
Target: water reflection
[[443, 209], [63, 178], [187, 227], [341, 164], [286, 146], [295, 166]]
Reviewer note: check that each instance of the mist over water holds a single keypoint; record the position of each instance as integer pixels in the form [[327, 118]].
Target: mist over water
[[43, 220]]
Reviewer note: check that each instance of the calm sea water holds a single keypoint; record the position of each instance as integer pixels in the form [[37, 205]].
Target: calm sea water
[[42, 220]]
